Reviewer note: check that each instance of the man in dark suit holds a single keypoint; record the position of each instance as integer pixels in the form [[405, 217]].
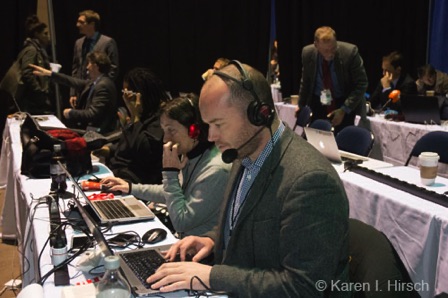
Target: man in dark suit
[[334, 81], [97, 104], [88, 24], [283, 228], [394, 78]]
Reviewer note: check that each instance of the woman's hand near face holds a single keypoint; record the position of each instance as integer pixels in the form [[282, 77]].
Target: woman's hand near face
[[171, 156]]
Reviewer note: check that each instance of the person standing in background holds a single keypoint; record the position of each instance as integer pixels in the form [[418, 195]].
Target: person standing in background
[[89, 25], [34, 97], [394, 78], [334, 80]]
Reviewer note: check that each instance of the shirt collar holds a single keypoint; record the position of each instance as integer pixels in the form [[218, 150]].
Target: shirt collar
[[247, 163]]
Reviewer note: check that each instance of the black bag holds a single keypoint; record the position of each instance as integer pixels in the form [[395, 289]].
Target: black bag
[[38, 144]]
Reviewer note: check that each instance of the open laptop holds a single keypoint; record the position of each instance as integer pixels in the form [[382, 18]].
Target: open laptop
[[118, 210], [325, 142], [421, 109], [136, 264]]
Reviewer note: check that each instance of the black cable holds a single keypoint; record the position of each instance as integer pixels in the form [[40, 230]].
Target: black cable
[[207, 293], [41, 201], [64, 263]]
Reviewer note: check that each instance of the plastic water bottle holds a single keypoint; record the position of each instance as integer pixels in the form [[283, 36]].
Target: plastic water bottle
[[58, 177], [113, 284]]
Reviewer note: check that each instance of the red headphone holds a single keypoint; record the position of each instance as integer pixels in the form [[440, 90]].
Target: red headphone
[[194, 131]]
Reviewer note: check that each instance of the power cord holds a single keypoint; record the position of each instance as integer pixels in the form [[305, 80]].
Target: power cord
[[207, 293]]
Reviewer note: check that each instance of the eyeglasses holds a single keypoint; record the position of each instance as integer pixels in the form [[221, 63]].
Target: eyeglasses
[[128, 92]]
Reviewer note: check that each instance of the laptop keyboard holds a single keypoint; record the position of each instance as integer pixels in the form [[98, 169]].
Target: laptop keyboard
[[143, 263], [113, 209]]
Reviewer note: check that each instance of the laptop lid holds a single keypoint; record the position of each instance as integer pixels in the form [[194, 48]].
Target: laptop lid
[[325, 142], [138, 211], [420, 109]]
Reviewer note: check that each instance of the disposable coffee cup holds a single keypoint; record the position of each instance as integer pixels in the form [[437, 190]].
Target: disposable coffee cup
[[430, 92], [294, 99], [428, 162], [55, 67]]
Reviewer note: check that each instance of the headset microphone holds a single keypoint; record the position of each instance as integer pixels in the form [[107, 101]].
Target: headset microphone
[[230, 155]]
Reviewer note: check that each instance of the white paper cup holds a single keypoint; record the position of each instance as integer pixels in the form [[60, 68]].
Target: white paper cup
[[294, 99], [55, 67], [428, 162]]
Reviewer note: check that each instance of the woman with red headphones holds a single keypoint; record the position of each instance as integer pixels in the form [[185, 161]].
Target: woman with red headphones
[[194, 175]]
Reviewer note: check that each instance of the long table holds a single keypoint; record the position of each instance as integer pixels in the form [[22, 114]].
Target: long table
[[395, 140], [417, 228], [14, 215]]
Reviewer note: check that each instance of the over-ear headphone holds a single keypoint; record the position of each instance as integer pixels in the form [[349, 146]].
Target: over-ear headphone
[[193, 130], [258, 113]]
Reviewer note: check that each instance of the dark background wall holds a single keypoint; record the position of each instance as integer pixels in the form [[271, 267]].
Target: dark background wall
[[180, 39]]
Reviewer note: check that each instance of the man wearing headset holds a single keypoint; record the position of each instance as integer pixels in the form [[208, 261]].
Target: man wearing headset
[[283, 229]]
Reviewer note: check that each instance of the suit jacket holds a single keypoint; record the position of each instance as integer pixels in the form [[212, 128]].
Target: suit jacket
[[350, 72], [34, 96], [99, 110], [406, 84], [104, 44], [292, 230], [137, 156]]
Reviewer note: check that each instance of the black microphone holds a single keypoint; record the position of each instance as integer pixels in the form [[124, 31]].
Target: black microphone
[[230, 155]]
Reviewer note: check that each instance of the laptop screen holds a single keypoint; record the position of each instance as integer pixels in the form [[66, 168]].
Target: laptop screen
[[420, 109]]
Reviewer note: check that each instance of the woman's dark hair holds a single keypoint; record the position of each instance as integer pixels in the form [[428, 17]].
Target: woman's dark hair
[[33, 26], [185, 110], [151, 88]]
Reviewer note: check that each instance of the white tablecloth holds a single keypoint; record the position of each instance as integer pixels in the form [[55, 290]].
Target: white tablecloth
[[395, 140], [418, 229], [287, 113]]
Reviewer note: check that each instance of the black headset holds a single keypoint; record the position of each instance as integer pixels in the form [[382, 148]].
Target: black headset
[[258, 113]]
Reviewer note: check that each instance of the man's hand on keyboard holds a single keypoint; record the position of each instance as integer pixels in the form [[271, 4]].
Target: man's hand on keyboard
[[179, 275]]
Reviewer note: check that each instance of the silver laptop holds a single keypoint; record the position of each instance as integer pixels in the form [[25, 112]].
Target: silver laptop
[[325, 142], [136, 264], [118, 210]]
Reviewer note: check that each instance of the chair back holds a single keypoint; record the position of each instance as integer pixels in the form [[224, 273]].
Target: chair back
[[374, 261], [303, 117], [321, 124], [434, 141], [355, 139]]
